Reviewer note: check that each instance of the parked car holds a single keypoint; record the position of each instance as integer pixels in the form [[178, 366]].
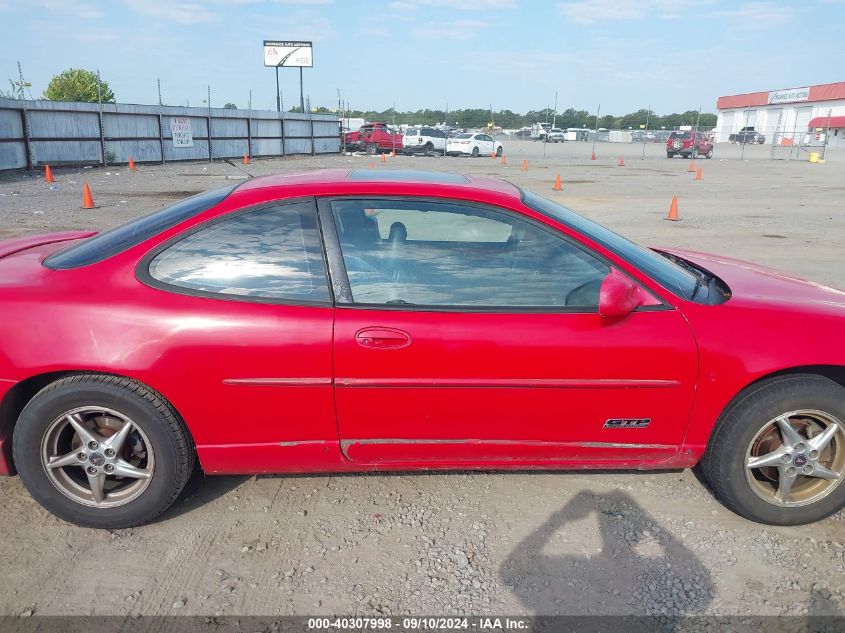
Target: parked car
[[394, 320], [747, 135], [555, 135], [688, 144], [423, 140], [375, 138], [539, 131], [473, 144]]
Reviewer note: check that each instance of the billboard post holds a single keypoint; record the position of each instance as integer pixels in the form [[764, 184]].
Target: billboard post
[[290, 54]]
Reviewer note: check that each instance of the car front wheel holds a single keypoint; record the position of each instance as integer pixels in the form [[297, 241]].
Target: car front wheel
[[102, 451], [475, 152], [777, 455]]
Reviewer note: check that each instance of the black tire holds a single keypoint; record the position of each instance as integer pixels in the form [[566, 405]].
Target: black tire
[[475, 152], [175, 456], [670, 155], [499, 151], [723, 463], [429, 147], [709, 154], [372, 149]]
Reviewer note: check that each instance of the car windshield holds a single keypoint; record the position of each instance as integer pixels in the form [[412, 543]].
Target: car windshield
[[464, 136], [667, 273]]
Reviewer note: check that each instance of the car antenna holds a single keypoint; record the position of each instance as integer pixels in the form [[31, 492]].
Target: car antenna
[[226, 160]]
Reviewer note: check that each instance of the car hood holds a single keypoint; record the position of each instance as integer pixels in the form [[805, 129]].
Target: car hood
[[754, 284]]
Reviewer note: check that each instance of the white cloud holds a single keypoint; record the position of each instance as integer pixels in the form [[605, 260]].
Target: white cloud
[[757, 15], [186, 13], [473, 5], [458, 30], [595, 11], [69, 7], [304, 3]]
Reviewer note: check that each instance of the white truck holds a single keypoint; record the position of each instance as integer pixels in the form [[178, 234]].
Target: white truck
[[539, 131]]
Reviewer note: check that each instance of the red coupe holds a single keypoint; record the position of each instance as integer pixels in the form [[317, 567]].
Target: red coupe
[[339, 321]]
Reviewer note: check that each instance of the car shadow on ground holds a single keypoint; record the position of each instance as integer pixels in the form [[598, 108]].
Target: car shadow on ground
[[640, 569], [200, 491]]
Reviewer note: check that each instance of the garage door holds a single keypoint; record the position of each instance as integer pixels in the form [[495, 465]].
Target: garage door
[[727, 127]]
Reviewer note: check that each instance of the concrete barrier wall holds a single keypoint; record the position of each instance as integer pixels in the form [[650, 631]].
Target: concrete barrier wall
[[34, 133]]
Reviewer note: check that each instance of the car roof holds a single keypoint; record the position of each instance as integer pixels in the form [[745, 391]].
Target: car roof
[[378, 182]]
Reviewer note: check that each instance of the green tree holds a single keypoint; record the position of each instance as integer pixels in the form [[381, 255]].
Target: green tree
[[77, 84], [230, 106]]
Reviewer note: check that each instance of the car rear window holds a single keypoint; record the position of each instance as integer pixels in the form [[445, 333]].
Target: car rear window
[[679, 135], [104, 245]]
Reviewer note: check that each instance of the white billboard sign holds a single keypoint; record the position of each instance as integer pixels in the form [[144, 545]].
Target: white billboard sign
[[288, 54], [180, 129], [789, 96]]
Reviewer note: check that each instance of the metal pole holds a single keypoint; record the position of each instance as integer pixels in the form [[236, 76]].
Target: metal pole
[[647, 115], [744, 137], [100, 112], [278, 94], [826, 135], [446, 129], [249, 127], [209, 125], [160, 124], [596, 132], [301, 92], [26, 133]]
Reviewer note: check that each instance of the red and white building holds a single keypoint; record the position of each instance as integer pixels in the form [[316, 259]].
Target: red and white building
[[786, 116]]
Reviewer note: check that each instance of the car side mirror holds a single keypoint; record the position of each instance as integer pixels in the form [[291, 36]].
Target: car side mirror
[[619, 296]]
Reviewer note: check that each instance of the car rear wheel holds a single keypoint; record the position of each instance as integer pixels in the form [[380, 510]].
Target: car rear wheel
[[670, 155], [777, 455], [499, 150], [372, 149], [475, 152], [429, 147], [709, 153], [102, 451]]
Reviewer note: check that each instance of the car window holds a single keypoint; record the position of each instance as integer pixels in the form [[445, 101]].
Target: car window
[[105, 245], [454, 254], [464, 136], [271, 253], [667, 273]]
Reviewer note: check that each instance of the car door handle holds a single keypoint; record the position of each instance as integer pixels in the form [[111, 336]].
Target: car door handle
[[382, 338]]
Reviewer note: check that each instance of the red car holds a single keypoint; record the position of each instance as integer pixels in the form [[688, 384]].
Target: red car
[[689, 144], [338, 321]]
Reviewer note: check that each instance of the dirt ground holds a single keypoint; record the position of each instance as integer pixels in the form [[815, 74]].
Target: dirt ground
[[569, 543]]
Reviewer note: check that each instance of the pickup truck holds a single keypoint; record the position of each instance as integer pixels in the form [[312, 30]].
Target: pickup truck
[[747, 135], [375, 138]]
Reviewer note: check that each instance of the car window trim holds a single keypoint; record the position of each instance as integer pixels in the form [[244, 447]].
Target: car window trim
[[142, 268], [343, 289]]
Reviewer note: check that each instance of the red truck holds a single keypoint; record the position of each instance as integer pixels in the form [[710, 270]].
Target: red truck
[[373, 138]]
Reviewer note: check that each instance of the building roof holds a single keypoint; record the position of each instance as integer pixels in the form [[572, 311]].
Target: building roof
[[821, 92]]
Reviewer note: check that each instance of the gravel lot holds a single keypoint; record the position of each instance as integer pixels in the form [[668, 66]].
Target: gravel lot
[[548, 543]]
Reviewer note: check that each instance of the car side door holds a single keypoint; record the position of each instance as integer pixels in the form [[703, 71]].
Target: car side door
[[469, 334], [243, 303]]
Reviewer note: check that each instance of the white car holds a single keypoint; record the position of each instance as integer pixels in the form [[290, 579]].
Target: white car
[[473, 144], [423, 140], [555, 135]]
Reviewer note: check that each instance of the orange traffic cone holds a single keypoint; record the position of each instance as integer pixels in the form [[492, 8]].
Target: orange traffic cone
[[493, 155], [48, 174], [621, 162], [383, 158], [393, 153], [593, 157], [131, 164], [372, 166], [557, 186], [246, 159], [87, 200], [504, 160], [524, 165], [691, 166], [698, 174], [673, 210]]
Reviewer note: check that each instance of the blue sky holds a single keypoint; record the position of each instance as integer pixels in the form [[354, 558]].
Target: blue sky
[[623, 54]]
